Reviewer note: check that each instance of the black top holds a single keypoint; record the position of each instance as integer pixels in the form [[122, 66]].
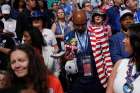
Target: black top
[[5, 42]]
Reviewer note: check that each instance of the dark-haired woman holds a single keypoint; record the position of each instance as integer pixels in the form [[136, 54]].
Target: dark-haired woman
[[28, 75], [125, 77], [32, 36]]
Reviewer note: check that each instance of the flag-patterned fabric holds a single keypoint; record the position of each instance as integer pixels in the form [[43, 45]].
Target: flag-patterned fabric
[[100, 46]]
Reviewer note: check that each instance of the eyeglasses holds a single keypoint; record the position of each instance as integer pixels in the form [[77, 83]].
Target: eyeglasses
[[60, 12], [79, 25]]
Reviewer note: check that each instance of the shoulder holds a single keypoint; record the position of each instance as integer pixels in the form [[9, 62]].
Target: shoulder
[[110, 9], [47, 30], [69, 35], [117, 36], [54, 25], [138, 11], [121, 63], [124, 61], [52, 78], [11, 20], [107, 26], [53, 81]]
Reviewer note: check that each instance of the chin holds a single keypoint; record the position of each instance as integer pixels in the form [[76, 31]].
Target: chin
[[20, 75]]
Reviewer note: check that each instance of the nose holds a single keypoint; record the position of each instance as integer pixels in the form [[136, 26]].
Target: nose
[[23, 38], [124, 40], [16, 65], [129, 22]]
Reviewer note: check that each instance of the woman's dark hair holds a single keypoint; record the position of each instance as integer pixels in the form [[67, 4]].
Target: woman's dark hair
[[37, 72], [36, 37], [16, 4], [45, 7], [134, 34]]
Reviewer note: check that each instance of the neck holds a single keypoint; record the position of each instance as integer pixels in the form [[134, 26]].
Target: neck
[[98, 24], [133, 10], [40, 28], [62, 20], [117, 5], [30, 9], [80, 32], [123, 29]]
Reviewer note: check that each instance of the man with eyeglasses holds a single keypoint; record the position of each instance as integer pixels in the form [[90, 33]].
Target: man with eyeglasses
[[83, 72]]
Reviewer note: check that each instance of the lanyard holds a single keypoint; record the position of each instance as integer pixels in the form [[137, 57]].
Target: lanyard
[[62, 27], [131, 78], [83, 41]]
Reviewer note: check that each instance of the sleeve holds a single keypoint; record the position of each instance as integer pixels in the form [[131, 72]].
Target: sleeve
[[114, 49], [109, 32]]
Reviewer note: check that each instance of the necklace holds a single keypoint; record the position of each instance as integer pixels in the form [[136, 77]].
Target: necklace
[[128, 86]]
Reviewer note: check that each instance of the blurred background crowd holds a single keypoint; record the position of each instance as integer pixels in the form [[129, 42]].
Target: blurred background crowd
[[78, 41]]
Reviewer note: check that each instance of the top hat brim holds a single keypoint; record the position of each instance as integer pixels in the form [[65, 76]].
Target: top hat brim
[[100, 14]]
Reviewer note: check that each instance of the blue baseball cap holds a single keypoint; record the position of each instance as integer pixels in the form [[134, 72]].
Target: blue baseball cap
[[36, 14]]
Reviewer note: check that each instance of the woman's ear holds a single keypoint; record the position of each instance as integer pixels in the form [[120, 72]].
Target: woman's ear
[[127, 3]]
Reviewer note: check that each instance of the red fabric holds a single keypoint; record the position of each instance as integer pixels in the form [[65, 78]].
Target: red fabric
[[54, 84]]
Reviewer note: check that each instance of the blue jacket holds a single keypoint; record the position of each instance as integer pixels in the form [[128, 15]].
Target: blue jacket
[[113, 15], [117, 48], [137, 16], [79, 54]]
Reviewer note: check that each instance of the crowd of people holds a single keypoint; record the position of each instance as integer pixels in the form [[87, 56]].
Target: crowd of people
[[69, 46]]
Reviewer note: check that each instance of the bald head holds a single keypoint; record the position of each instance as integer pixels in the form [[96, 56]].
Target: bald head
[[79, 21], [79, 17]]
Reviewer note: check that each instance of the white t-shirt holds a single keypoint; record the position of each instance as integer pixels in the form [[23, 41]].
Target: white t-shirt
[[48, 50], [120, 78], [49, 37], [9, 25]]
